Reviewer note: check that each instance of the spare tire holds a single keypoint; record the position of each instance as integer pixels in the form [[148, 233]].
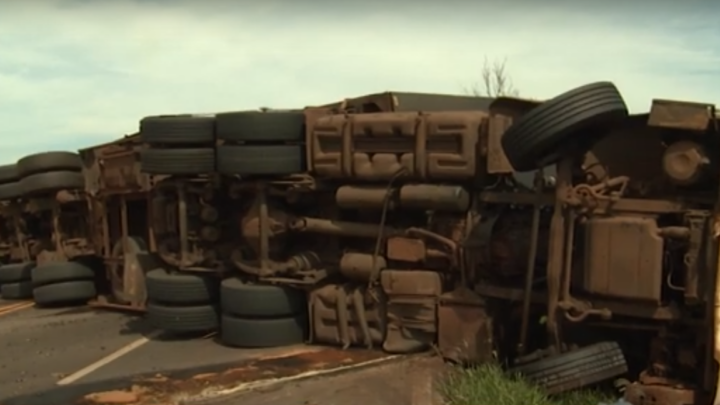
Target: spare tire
[[49, 161], [257, 126], [177, 129], [576, 369], [568, 123]]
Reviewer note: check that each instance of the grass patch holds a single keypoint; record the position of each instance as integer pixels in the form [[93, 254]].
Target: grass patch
[[488, 384]]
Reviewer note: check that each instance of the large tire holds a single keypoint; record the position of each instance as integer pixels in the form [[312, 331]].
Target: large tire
[[181, 288], [177, 129], [9, 174], [576, 369], [257, 333], [572, 120], [256, 126], [59, 272], [49, 161], [178, 161], [49, 182], [62, 293], [257, 300], [183, 319], [14, 272], [16, 291], [281, 160], [10, 191]]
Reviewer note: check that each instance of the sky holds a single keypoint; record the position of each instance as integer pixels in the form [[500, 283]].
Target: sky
[[74, 73]]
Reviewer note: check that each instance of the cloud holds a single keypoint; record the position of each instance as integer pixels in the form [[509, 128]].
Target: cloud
[[75, 73]]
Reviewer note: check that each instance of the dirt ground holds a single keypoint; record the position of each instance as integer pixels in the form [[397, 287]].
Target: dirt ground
[[411, 381]]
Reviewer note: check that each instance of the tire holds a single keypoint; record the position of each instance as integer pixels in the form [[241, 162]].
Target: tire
[[257, 300], [257, 333], [14, 272], [9, 174], [64, 293], [10, 191], [177, 161], [256, 126], [177, 130], [49, 161], [43, 183], [541, 136], [576, 369], [16, 291], [59, 272], [183, 319], [278, 160], [181, 288]]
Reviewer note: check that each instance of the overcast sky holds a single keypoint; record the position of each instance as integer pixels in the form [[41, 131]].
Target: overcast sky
[[74, 73]]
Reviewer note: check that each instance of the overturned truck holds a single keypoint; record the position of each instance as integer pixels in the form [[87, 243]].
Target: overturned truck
[[43, 214], [536, 233]]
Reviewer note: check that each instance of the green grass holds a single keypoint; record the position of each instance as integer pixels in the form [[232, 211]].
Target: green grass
[[488, 384]]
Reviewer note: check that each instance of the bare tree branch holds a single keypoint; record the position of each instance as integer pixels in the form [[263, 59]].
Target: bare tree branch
[[495, 81]]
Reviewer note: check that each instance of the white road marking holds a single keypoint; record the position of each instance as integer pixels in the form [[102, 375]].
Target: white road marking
[[108, 359], [214, 392]]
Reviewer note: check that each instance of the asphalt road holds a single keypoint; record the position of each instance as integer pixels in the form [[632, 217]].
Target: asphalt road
[[58, 356], [41, 346], [43, 349]]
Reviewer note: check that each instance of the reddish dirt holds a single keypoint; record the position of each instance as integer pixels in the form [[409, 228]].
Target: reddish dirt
[[411, 381], [169, 390]]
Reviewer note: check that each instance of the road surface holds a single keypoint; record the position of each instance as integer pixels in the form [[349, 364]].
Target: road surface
[[64, 356]]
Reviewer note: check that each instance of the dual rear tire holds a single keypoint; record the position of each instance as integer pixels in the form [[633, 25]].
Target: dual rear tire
[[51, 284], [248, 144], [247, 315]]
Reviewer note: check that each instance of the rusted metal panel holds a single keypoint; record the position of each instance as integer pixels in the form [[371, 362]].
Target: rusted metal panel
[[411, 308], [681, 115], [465, 331], [497, 161], [512, 107], [405, 249], [611, 269], [411, 283], [383, 146], [312, 115], [660, 394], [114, 167], [404, 101]]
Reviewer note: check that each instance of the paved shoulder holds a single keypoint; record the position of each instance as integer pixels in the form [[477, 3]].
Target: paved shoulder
[[42, 346]]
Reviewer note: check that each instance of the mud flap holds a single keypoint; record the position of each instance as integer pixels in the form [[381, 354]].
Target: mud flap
[[135, 266], [465, 329], [412, 309]]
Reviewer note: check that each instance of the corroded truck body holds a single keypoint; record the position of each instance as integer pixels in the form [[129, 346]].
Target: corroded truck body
[[46, 250], [119, 224], [407, 229]]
